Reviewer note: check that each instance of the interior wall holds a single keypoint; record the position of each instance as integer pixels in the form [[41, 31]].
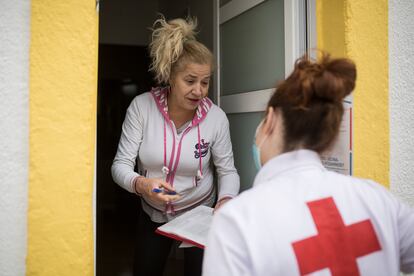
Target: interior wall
[[201, 9], [122, 21]]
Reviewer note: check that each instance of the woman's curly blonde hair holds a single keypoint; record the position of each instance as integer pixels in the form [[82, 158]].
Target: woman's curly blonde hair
[[173, 46]]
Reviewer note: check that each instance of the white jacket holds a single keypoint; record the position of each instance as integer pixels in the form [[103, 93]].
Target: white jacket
[[149, 134], [300, 219]]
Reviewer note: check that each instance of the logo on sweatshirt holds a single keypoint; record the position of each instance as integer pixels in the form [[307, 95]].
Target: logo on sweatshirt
[[202, 148]]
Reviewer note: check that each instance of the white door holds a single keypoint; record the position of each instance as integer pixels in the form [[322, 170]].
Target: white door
[[257, 42]]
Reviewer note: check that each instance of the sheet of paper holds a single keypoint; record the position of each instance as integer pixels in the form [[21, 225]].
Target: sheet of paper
[[339, 157], [185, 245], [192, 225]]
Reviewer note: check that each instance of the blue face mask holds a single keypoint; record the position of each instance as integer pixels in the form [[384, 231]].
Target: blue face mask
[[256, 156], [256, 149]]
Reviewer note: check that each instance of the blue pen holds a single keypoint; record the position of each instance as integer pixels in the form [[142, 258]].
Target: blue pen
[[161, 190]]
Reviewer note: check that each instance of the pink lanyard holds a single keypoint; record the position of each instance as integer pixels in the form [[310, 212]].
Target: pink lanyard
[[200, 168]]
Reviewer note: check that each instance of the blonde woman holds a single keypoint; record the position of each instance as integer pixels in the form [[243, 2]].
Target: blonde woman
[[174, 132]]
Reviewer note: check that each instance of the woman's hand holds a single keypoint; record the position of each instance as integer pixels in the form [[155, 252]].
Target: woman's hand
[[145, 186], [220, 203]]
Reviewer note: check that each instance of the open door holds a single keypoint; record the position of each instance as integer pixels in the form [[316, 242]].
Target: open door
[[257, 42]]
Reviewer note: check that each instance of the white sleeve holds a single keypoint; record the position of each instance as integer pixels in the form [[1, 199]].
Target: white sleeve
[[405, 218], [131, 137], [222, 152], [226, 252]]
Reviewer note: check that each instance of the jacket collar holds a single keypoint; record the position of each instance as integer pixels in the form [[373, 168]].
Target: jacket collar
[[287, 162], [160, 97]]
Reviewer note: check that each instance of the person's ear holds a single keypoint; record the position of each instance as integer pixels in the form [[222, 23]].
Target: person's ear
[[270, 121]]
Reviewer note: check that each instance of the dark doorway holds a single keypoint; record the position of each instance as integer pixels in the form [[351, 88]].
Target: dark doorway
[[123, 74]]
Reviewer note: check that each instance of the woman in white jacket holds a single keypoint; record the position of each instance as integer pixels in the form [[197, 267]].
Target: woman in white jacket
[[300, 218], [174, 132]]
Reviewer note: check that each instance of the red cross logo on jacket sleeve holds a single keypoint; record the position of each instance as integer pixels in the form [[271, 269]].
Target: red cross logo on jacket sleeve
[[336, 246]]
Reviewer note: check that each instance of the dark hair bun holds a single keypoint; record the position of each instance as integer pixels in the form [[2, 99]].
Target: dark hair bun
[[311, 101], [328, 79], [336, 78]]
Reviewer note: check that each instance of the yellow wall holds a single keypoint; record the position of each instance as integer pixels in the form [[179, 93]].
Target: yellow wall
[[63, 95], [330, 17], [358, 29]]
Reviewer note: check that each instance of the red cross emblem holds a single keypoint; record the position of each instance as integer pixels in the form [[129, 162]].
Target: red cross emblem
[[336, 246]]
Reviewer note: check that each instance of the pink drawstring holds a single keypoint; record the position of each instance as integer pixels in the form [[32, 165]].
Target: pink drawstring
[[200, 169], [170, 207], [177, 158], [165, 148], [166, 169]]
